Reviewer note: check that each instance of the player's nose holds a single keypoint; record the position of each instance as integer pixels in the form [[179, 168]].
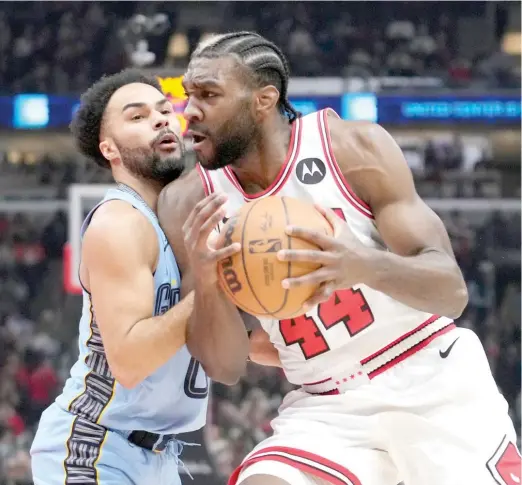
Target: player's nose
[[160, 121], [192, 113]]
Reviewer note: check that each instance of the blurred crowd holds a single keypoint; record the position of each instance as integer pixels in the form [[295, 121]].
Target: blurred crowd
[[61, 47], [33, 361]]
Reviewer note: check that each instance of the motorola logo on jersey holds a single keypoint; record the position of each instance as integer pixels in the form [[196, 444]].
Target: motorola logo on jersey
[[310, 171]]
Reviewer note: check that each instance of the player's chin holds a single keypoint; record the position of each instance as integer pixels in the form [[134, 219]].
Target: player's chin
[[205, 157]]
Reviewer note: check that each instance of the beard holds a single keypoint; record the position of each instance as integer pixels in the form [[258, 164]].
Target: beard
[[146, 164], [233, 141]]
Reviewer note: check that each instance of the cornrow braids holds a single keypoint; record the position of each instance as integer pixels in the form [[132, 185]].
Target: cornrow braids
[[266, 62]]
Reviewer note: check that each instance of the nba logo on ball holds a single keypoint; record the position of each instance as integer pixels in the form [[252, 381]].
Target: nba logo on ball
[[262, 246], [252, 278]]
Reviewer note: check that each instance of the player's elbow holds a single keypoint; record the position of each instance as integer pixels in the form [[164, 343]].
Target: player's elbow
[[262, 351], [460, 301], [270, 359], [127, 381], [458, 295], [228, 375], [123, 372]]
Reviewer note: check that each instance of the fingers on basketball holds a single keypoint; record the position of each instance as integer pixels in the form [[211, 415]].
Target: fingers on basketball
[[252, 278]]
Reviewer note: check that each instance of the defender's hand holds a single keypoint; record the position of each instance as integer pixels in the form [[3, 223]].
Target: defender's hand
[[203, 253], [342, 256]]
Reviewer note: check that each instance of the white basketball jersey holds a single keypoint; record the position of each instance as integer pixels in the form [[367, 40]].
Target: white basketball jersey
[[357, 326]]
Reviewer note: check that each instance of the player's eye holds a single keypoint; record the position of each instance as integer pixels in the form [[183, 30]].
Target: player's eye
[[137, 117], [166, 111]]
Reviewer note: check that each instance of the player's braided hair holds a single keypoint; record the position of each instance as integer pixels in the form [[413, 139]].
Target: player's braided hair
[[86, 124], [264, 59]]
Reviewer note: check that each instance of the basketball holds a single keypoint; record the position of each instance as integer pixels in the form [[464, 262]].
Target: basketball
[[252, 277]]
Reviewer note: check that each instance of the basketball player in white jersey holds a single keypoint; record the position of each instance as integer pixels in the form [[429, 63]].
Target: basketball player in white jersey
[[135, 386], [391, 390]]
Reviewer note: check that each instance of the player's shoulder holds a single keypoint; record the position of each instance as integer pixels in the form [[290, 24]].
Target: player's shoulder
[[117, 228], [361, 144], [359, 135], [368, 157], [179, 197]]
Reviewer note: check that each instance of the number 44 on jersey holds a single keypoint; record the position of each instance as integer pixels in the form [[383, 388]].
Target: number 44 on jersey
[[348, 307]]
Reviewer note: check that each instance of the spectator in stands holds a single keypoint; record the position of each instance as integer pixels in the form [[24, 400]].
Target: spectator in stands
[[62, 47]]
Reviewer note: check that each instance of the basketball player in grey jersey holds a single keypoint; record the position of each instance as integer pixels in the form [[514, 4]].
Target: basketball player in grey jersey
[[135, 384]]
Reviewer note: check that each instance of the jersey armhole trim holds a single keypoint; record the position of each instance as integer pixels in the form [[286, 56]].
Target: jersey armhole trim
[[208, 187], [340, 180]]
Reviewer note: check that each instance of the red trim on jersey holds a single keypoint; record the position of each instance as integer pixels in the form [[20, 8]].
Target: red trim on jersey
[[318, 382], [340, 180], [400, 339], [302, 460], [398, 358], [326, 393], [284, 172], [208, 187], [411, 351]]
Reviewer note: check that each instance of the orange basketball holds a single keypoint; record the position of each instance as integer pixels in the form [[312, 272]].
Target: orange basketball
[[252, 278]]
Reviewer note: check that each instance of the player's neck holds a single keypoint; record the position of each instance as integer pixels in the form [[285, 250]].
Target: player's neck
[[260, 167], [146, 189]]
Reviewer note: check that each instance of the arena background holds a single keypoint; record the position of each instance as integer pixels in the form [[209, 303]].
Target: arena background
[[442, 77]]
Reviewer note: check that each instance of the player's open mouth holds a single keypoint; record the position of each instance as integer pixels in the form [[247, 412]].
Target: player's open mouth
[[167, 142], [198, 139]]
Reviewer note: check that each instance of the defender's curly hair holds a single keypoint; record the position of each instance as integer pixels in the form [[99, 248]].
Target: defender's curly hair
[[264, 60], [86, 124]]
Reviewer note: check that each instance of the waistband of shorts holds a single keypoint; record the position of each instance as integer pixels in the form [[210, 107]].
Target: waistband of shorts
[[384, 359], [148, 441]]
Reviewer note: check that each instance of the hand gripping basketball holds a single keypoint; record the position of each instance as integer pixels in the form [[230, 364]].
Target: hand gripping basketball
[[341, 257], [202, 253]]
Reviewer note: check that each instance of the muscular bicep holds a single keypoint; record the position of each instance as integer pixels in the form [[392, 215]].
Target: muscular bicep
[[118, 260], [384, 180]]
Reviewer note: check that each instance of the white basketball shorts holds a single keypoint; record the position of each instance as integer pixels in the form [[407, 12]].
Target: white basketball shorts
[[436, 418]]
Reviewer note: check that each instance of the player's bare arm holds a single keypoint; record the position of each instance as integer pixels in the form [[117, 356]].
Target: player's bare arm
[[119, 255], [262, 350], [216, 335], [419, 269]]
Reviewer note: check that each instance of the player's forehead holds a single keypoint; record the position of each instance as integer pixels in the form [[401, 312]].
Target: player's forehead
[[134, 93], [204, 72]]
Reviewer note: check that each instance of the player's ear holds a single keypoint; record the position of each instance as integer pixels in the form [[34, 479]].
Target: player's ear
[[266, 99], [109, 150]]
